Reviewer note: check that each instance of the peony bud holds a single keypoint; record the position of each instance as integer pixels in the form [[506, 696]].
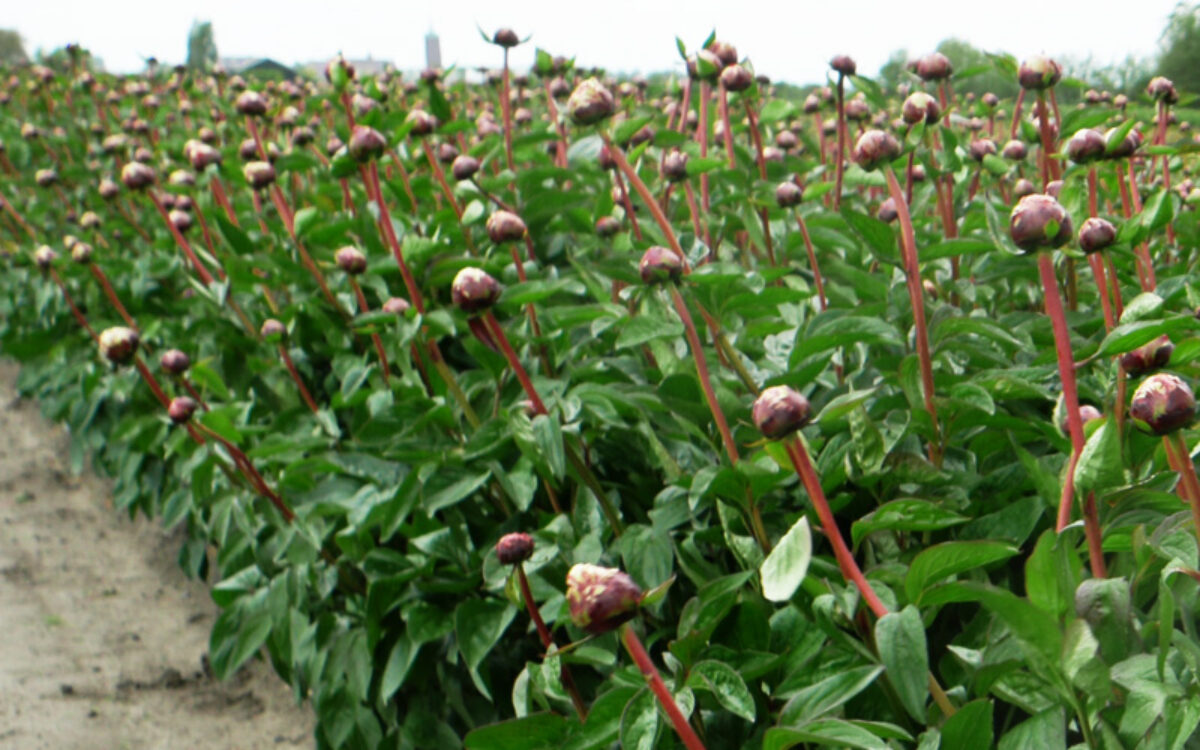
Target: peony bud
[[366, 144], [876, 148], [607, 226], [779, 411], [590, 103], [1153, 355], [396, 306], [599, 598], [1039, 222], [506, 38], [514, 548], [1096, 234], [844, 65], [736, 78], [505, 226], [1039, 73], [136, 175], [473, 290], [887, 211], [934, 67], [251, 103], [464, 167], [921, 106], [81, 253], [675, 166], [118, 344], [351, 260], [422, 122], [1162, 404], [273, 330], [1014, 151], [180, 409], [659, 265], [174, 362], [1085, 146], [44, 257], [259, 174], [788, 194], [981, 148]]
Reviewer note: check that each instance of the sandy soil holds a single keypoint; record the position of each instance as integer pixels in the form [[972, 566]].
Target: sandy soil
[[102, 638]]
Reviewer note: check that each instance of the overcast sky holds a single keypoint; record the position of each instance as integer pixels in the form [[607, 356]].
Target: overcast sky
[[790, 41]]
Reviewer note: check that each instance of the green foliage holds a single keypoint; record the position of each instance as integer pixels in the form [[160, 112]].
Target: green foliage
[[382, 600], [12, 48]]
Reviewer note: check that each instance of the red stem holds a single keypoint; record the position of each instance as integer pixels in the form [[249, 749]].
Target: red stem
[[79, 316], [112, 295], [548, 641], [364, 307], [693, 338], [812, 485], [841, 142], [201, 271], [501, 339], [506, 109], [385, 222], [917, 297], [633, 645], [812, 260], [291, 367]]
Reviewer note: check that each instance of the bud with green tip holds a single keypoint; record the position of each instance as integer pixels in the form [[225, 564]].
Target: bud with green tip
[[921, 106], [1162, 404], [660, 265], [600, 599], [1039, 222], [1085, 146], [505, 226], [259, 174], [1039, 73], [137, 176], [273, 331], [351, 260]]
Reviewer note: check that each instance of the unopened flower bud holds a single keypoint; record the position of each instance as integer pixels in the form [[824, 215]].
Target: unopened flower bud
[[981, 148], [736, 78], [181, 409], [675, 166], [1085, 146], [876, 148], [1014, 150], [174, 361], [1162, 404], [1153, 355], [779, 411], [659, 265], [474, 290], [1096, 234], [1039, 73], [887, 211], [44, 257], [934, 67], [464, 167], [788, 194], [351, 260], [136, 175], [505, 226], [600, 599], [423, 123], [1039, 222], [514, 548], [590, 103], [844, 64], [81, 253], [396, 306], [273, 330], [259, 174], [921, 106], [607, 226], [118, 344], [506, 38]]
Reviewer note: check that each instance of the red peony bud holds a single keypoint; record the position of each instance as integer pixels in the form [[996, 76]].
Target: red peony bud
[[514, 548], [180, 409], [118, 344], [599, 598], [779, 411], [1162, 404], [351, 260], [1039, 222], [659, 265], [473, 290]]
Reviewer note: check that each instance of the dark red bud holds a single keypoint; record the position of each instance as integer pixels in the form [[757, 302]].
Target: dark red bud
[[118, 344], [514, 548], [600, 599], [351, 260], [505, 226], [473, 290], [1162, 404], [1151, 356], [181, 409], [1039, 222], [659, 265], [1096, 234], [876, 148], [779, 411]]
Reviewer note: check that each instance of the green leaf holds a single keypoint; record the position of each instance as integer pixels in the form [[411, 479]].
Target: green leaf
[[305, 219], [905, 514], [533, 732], [1043, 731], [900, 638], [548, 435], [1129, 336], [478, 625], [970, 726], [639, 722], [726, 685], [645, 328], [400, 660], [941, 561], [787, 564], [455, 493], [817, 700], [1033, 626], [1100, 466], [237, 239], [830, 732]]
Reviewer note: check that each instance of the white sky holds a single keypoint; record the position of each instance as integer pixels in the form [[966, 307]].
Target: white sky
[[789, 41]]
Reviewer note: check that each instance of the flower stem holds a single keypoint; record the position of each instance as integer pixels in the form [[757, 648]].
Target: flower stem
[[364, 307], [916, 295], [633, 645], [548, 640], [112, 295], [1187, 473], [710, 396], [499, 336], [79, 316], [841, 141], [291, 367]]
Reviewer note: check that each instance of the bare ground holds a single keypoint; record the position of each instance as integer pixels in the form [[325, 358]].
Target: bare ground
[[102, 637]]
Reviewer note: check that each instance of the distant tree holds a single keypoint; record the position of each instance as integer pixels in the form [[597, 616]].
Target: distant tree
[[892, 74], [1180, 43], [965, 58], [202, 47], [12, 49]]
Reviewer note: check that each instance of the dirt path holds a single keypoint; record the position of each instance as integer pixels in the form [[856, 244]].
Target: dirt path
[[101, 635]]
